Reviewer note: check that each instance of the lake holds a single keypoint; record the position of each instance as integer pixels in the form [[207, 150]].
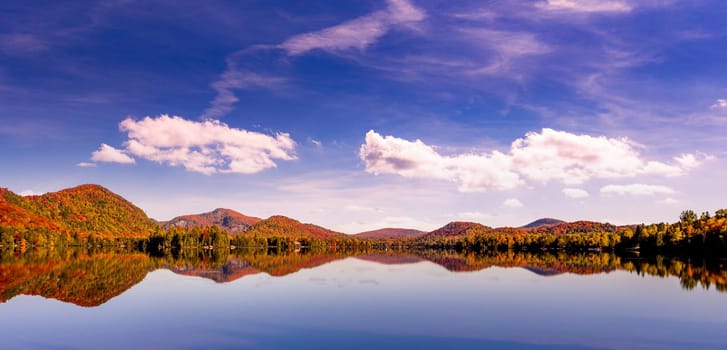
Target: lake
[[389, 300]]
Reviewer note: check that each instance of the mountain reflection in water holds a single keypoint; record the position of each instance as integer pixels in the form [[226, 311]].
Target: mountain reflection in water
[[91, 278]]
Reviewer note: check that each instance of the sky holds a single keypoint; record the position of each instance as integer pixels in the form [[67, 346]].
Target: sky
[[367, 114]]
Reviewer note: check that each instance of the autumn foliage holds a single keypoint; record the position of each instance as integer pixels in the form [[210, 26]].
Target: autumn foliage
[[71, 214]]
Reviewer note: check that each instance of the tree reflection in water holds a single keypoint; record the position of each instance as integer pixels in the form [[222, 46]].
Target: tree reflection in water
[[93, 277]]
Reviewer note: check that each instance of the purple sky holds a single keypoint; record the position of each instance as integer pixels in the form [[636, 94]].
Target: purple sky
[[369, 114]]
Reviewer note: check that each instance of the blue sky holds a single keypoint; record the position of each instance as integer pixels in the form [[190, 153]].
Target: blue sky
[[368, 114]]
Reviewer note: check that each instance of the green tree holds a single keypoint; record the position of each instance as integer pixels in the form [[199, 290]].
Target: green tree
[[688, 217]]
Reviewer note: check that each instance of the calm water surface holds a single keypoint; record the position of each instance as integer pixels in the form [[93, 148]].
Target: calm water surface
[[351, 303]]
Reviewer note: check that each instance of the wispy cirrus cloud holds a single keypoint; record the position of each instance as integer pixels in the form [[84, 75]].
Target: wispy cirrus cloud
[[636, 190], [22, 44], [544, 156], [587, 6], [234, 79], [606, 7], [206, 147], [506, 47], [357, 33]]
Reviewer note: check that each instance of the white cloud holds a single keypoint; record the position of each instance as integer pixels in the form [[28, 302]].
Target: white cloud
[[636, 190], [668, 201], [27, 193], [357, 33], [391, 155], [586, 6], [86, 165], [108, 154], [575, 193], [541, 157], [689, 160], [573, 159], [512, 203], [206, 147], [507, 46], [720, 104]]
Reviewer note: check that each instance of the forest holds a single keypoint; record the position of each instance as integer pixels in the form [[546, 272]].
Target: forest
[[692, 234], [92, 216]]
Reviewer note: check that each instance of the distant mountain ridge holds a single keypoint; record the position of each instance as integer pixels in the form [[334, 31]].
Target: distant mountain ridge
[[232, 221], [458, 228], [93, 209], [544, 222], [541, 226], [390, 233], [281, 225]]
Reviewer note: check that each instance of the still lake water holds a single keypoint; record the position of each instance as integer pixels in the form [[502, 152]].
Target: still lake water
[[364, 302]]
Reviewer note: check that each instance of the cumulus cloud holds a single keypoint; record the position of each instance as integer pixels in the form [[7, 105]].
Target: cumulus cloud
[[473, 172], [109, 154], [357, 33], [573, 159], [512, 203], [206, 147], [720, 104], [575, 193], [549, 155], [636, 190], [586, 6]]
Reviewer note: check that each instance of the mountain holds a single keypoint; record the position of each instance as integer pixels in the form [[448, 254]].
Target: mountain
[[390, 259], [390, 233], [576, 227], [78, 278], [228, 219], [232, 270], [91, 209], [83, 209], [14, 215], [284, 226], [458, 228], [544, 222]]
